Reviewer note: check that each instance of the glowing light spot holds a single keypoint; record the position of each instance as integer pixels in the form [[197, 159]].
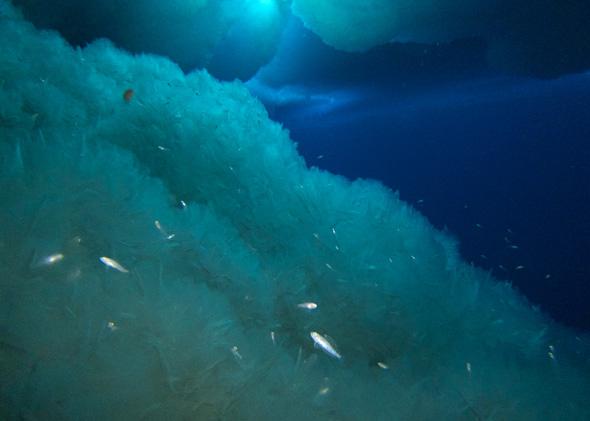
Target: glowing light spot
[[265, 12]]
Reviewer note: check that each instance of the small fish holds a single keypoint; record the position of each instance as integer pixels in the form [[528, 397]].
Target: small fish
[[468, 367], [324, 391], [382, 365], [70, 312], [128, 95], [163, 231], [236, 352], [326, 346], [308, 306], [519, 267], [54, 258], [547, 276], [112, 263], [273, 338]]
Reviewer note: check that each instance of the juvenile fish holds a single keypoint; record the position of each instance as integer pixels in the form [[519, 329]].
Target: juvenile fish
[[326, 346], [308, 306], [54, 258], [112, 263]]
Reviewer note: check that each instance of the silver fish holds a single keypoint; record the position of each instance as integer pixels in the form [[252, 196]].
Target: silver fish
[[326, 346], [112, 263], [50, 260]]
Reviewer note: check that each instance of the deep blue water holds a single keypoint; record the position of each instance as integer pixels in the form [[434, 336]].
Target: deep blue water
[[504, 164]]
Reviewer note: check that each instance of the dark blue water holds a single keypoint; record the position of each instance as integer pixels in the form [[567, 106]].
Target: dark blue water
[[503, 164]]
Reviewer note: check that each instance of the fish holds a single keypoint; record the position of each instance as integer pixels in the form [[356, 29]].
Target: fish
[[236, 352], [308, 306], [325, 345], [112, 263], [54, 258], [163, 231]]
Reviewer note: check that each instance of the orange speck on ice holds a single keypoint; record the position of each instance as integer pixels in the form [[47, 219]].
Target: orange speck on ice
[[128, 95]]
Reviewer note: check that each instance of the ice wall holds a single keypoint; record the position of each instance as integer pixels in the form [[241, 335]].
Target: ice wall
[[203, 322]]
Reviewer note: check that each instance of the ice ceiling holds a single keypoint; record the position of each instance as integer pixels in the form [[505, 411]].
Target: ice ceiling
[[234, 38]]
